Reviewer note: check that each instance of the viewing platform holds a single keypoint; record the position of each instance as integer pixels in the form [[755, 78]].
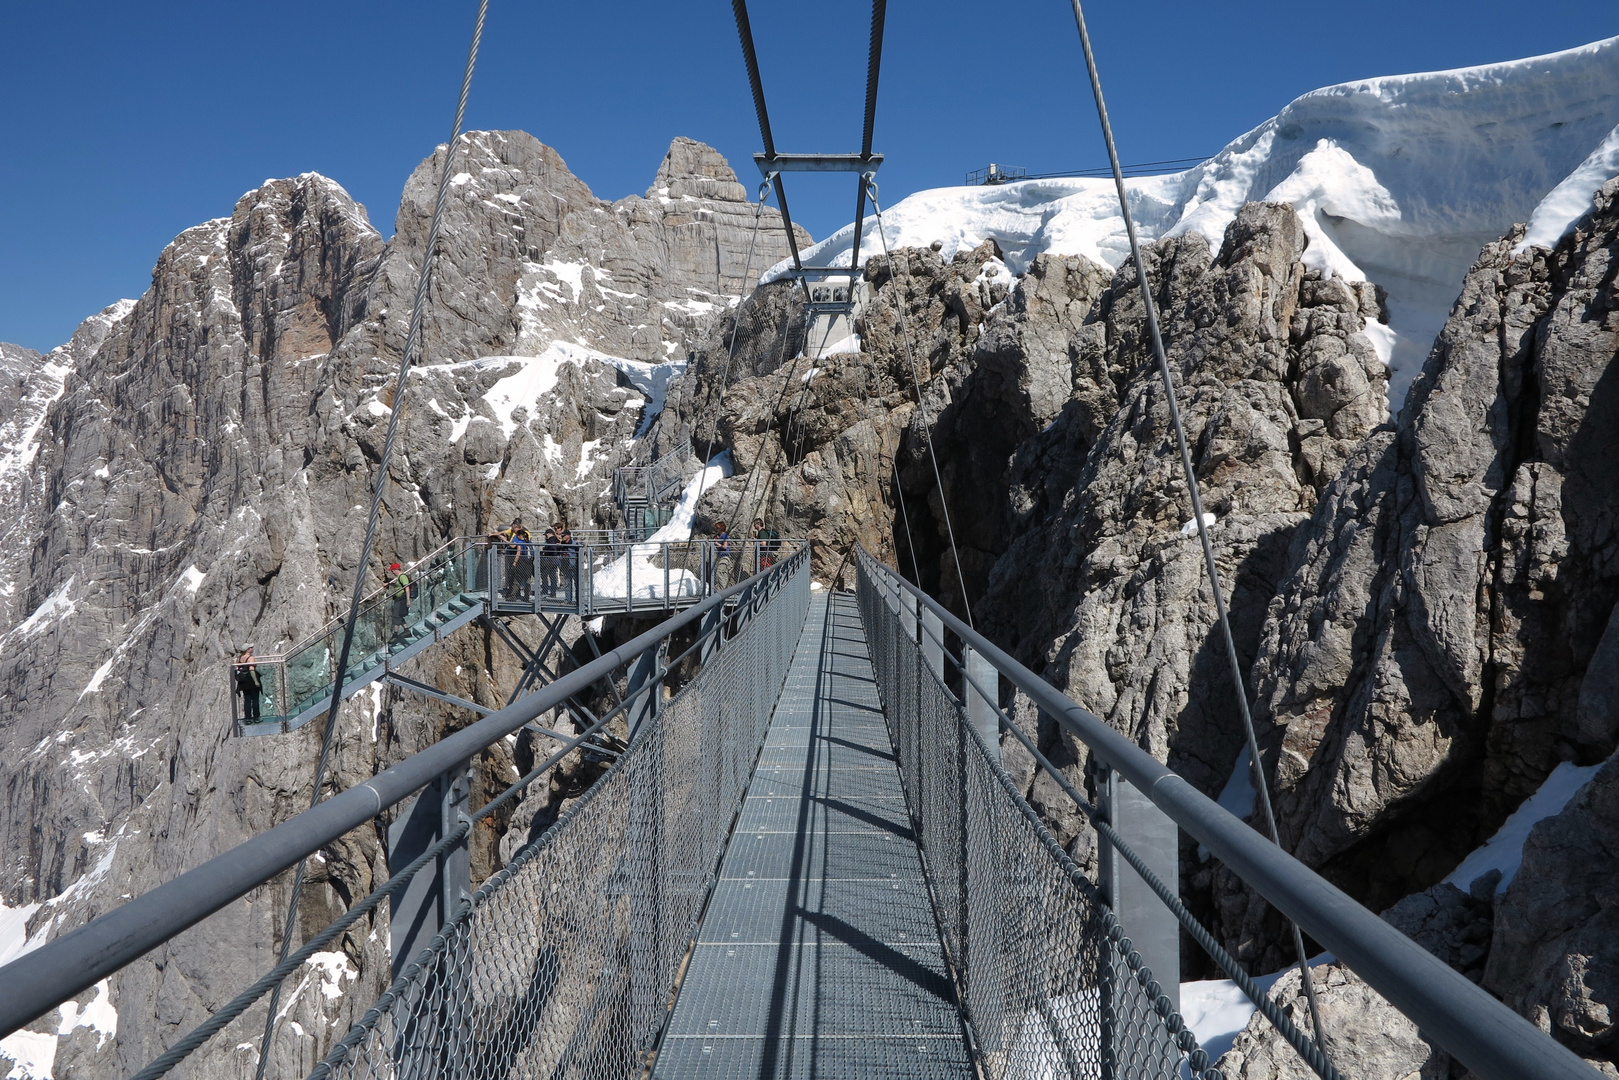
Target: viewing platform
[[471, 578]]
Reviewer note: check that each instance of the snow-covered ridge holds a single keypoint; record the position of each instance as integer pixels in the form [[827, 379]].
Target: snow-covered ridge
[[1400, 179]]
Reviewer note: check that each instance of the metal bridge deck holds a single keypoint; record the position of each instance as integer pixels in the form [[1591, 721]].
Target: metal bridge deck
[[819, 954]]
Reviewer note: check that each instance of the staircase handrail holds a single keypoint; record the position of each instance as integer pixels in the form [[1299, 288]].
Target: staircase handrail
[[365, 601]]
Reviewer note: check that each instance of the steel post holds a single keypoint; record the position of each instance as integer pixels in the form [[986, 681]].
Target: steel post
[[933, 643], [1151, 927], [647, 674], [983, 713], [419, 911]]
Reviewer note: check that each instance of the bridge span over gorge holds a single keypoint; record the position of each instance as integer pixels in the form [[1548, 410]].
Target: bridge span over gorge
[[806, 862]]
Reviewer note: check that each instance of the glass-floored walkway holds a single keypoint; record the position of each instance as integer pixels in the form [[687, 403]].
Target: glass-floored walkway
[[819, 956]]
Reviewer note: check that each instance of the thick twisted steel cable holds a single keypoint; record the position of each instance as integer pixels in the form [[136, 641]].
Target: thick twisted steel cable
[[927, 427], [874, 62], [407, 357], [1237, 680], [744, 33]]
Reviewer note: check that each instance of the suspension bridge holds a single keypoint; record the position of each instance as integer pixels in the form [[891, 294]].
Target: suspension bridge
[[805, 858]]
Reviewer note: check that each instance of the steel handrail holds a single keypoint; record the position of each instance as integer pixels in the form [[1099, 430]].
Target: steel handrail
[[365, 601], [37, 982], [1462, 1018]]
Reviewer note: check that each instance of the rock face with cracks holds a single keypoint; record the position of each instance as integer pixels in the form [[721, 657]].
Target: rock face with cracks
[[1102, 587], [1423, 611], [190, 475], [1441, 641]]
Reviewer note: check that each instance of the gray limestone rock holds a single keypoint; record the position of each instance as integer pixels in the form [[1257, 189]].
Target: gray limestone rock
[[1102, 587], [1424, 663], [1365, 1035], [1451, 924], [190, 475], [1555, 952]]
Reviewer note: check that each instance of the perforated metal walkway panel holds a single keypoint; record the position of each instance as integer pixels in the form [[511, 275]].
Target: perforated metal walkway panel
[[819, 953]]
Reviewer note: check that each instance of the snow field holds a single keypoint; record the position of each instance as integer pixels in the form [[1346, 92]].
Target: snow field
[[1400, 180]]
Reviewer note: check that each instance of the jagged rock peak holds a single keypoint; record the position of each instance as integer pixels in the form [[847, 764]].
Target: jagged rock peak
[[696, 170]]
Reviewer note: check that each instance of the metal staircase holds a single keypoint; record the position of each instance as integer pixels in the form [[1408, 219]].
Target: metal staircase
[[647, 488]]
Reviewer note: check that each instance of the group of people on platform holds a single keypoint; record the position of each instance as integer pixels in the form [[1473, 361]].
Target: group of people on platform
[[556, 553], [767, 545]]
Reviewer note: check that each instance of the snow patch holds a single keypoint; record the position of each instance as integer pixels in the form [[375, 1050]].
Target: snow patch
[[634, 570], [1571, 200], [1237, 797], [14, 931], [334, 968], [192, 578], [1399, 179], [537, 378], [1504, 850], [540, 373], [1216, 1010], [98, 1015], [1190, 528], [94, 685], [33, 1054], [587, 457], [53, 607]]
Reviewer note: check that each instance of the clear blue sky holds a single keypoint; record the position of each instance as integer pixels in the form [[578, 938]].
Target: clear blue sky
[[125, 123]]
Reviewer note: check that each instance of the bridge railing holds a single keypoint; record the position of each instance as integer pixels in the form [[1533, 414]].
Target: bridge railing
[[618, 575], [387, 622], [563, 963], [1018, 969], [564, 960]]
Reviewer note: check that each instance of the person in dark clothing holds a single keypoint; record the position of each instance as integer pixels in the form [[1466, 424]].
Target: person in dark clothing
[[248, 684], [550, 557], [520, 562], [769, 543], [567, 560]]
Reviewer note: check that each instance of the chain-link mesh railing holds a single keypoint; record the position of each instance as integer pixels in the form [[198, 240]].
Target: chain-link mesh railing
[[563, 963], [1050, 984]]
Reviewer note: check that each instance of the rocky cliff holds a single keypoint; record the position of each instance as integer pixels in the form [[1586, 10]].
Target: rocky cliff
[[1422, 609], [189, 476]]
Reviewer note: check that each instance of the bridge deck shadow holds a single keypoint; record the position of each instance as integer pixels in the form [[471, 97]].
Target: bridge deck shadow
[[819, 955]]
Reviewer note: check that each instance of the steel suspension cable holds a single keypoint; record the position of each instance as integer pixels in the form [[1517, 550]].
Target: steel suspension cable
[[1222, 616], [874, 62], [927, 427], [407, 357], [744, 32]]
